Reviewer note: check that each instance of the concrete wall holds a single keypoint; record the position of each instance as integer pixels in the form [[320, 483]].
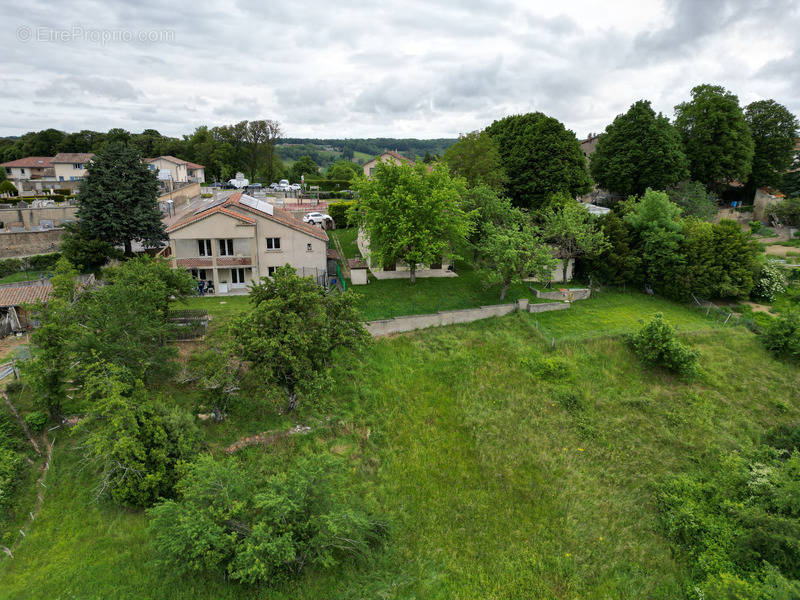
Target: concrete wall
[[31, 217], [761, 204], [29, 243], [450, 317], [571, 295], [182, 195]]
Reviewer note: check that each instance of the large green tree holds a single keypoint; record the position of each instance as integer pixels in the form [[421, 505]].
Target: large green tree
[[117, 201], [540, 157], [293, 330], [343, 170], [774, 130], [512, 251], [412, 215], [304, 165], [694, 199], [618, 264], [716, 137], [639, 150], [476, 158], [572, 230]]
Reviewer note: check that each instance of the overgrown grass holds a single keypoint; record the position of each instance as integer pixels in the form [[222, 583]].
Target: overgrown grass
[[24, 276], [500, 480]]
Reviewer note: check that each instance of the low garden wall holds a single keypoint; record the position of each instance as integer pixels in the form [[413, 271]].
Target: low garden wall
[[568, 294], [450, 317]]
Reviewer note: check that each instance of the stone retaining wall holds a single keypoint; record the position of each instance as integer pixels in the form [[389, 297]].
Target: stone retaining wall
[[450, 317], [569, 294], [14, 244]]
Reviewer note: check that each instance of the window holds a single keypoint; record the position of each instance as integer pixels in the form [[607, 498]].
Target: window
[[271, 271], [309, 247], [273, 243], [226, 248], [61, 178], [22, 171], [204, 247], [77, 166], [199, 274], [371, 171], [237, 276]]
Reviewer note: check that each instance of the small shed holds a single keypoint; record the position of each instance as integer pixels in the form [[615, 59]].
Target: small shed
[[14, 299]]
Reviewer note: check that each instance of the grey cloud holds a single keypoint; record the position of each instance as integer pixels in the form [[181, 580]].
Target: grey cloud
[[103, 87]]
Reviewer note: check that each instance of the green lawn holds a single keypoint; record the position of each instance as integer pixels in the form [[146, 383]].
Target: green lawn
[[497, 483], [24, 276]]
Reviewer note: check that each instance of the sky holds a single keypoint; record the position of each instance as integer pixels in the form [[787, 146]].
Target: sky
[[412, 68]]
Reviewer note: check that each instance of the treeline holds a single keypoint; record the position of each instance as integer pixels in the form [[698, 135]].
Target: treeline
[[406, 146]]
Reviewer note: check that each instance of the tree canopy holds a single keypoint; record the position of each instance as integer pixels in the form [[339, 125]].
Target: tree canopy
[[716, 137], [540, 157], [476, 158], [293, 330], [117, 200], [304, 166], [774, 130], [639, 150], [573, 230], [412, 215]]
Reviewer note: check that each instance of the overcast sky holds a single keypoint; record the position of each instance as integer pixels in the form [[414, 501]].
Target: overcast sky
[[412, 68]]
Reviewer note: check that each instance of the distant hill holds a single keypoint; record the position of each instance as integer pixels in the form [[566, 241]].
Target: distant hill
[[326, 150]]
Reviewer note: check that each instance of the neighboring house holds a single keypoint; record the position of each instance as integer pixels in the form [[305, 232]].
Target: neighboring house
[[388, 156], [30, 167], [181, 171], [71, 166], [401, 270], [241, 239], [588, 145]]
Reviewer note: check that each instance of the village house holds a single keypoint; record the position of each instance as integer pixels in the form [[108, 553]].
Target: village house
[[71, 166], [30, 168], [241, 239], [388, 156], [181, 171]]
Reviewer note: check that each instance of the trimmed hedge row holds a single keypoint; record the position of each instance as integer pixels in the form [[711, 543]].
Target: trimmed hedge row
[[338, 212], [329, 185]]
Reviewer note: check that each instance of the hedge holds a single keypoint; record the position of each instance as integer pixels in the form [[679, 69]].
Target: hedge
[[40, 262], [338, 212]]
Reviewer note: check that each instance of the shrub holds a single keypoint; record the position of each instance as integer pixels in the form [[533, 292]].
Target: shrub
[[43, 262], [64, 192], [770, 282], [6, 187], [10, 467], [338, 211], [547, 367], [782, 336], [36, 420], [655, 344], [261, 530], [9, 266], [755, 227], [788, 211], [206, 195]]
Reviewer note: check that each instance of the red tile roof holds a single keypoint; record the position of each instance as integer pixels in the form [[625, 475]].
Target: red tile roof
[[233, 201], [192, 165], [220, 208], [177, 161], [27, 294], [33, 162], [72, 157]]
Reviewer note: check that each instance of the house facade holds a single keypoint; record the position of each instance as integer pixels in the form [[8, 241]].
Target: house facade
[[181, 171], [388, 156], [235, 241], [71, 166], [30, 168]]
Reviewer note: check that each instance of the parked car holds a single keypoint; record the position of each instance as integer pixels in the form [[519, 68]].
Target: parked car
[[284, 182], [274, 186], [316, 218], [295, 187]]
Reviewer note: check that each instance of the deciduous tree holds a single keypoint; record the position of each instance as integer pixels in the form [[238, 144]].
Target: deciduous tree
[[639, 150], [476, 158], [292, 331], [774, 130], [412, 215], [573, 230], [715, 135], [540, 157]]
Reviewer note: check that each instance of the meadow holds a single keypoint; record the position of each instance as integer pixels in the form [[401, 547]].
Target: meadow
[[506, 467]]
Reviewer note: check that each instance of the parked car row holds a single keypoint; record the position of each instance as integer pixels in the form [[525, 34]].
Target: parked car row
[[284, 186]]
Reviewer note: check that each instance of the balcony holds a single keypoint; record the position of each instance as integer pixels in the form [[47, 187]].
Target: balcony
[[234, 261]]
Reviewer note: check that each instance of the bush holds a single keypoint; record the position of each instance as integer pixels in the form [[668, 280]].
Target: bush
[[64, 192], [655, 344], [36, 420], [338, 211], [206, 195], [770, 282], [782, 336], [547, 367], [788, 211], [6, 187], [260, 530], [9, 266], [43, 262]]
